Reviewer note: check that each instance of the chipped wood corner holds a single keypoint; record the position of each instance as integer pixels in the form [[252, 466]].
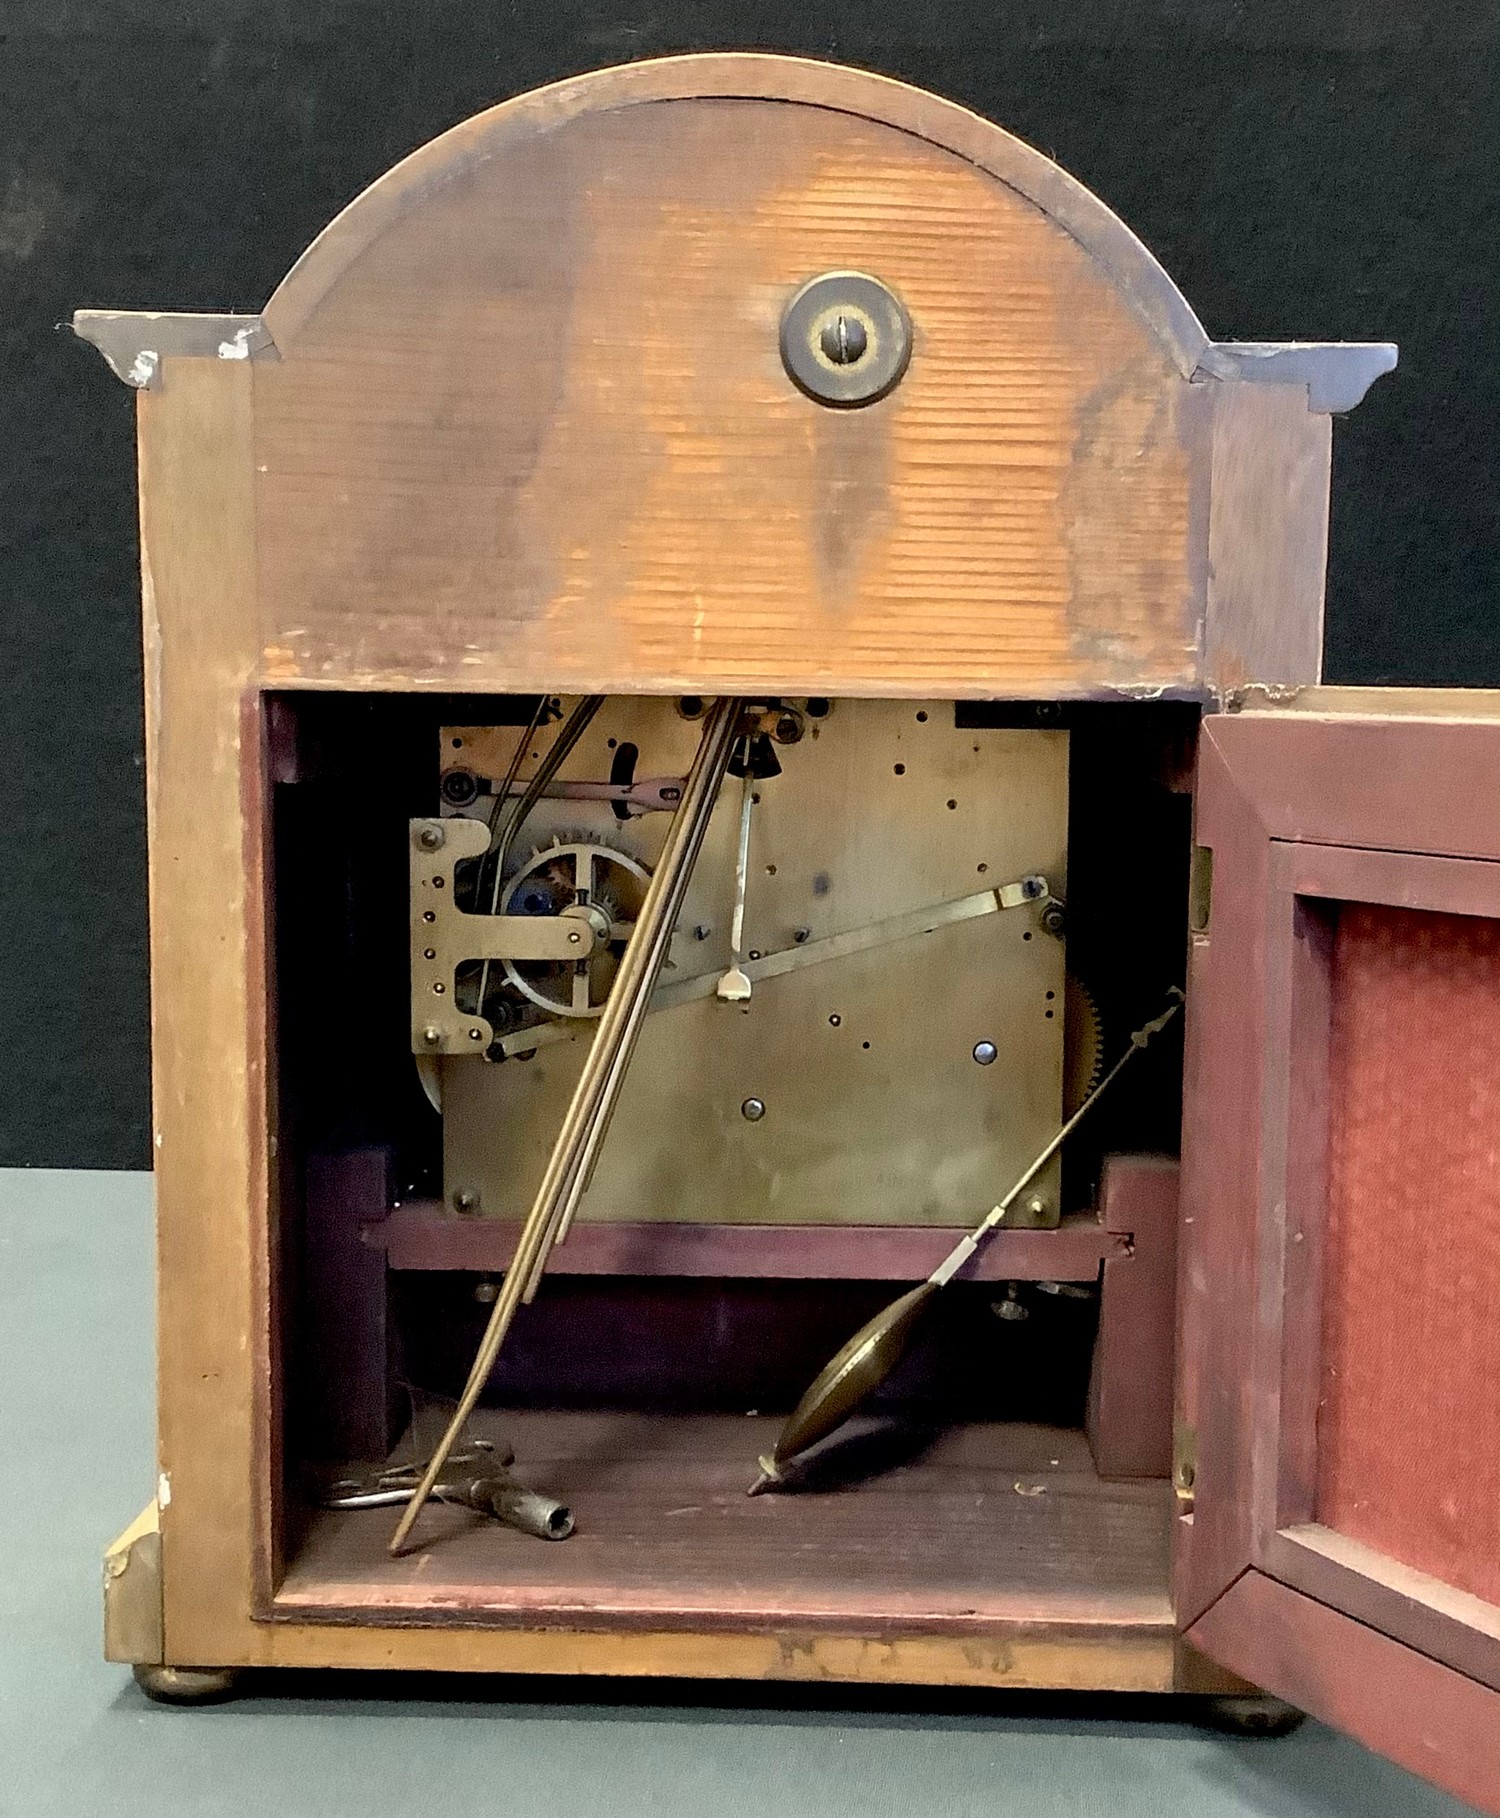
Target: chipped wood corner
[[1337, 374], [133, 1627], [135, 342]]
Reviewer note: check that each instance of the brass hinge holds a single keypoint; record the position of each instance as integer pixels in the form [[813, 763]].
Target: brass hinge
[[1201, 889], [1184, 1464]]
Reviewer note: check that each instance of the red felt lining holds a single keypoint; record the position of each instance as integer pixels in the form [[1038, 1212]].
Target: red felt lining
[[1409, 1417]]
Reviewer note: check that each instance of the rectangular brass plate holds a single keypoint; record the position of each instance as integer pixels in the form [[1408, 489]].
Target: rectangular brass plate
[[876, 1111]]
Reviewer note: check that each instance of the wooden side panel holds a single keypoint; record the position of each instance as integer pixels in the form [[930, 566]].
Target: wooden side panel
[[1129, 1419], [1268, 536], [208, 1004], [539, 434], [1424, 1716]]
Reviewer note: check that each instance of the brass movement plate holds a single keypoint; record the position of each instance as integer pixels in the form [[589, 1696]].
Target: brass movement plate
[[876, 1111]]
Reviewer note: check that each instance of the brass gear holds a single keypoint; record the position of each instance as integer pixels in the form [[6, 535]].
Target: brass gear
[[1083, 1043]]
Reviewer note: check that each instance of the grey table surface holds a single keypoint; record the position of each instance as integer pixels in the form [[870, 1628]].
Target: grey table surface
[[77, 1738]]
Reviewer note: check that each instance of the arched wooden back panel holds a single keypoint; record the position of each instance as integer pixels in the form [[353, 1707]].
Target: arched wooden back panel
[[520, 417]]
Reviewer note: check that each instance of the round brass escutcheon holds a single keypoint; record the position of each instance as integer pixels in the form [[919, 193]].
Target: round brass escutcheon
[[845, 339]]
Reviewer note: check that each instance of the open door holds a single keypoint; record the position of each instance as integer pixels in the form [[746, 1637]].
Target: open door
[[1338, 1463]]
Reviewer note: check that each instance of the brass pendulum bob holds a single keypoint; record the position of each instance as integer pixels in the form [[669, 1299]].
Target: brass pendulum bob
[[854, 1372]]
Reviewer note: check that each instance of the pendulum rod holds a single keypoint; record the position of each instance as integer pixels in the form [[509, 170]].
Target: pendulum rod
[[600, 1080]]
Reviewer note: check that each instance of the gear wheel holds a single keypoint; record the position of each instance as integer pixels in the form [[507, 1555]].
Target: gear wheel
[[1083, 1043], [553, 878]]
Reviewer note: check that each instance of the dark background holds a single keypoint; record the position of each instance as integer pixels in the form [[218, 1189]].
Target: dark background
[[1327, 169]]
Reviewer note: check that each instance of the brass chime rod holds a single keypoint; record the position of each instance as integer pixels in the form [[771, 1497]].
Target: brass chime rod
[[599, 1082]]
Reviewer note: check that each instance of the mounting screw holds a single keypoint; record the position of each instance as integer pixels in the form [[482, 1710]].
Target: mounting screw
[[476, 1035], [431, 837], [1054, 918], [574, 938], [753, 1110], [1036, 1206], [486, 1291], [466, 1200], [844, 339], [985, 1052], [432, 1035], [1011, 1307]]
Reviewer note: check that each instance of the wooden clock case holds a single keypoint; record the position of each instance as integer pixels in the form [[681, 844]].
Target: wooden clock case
[[517, 423]]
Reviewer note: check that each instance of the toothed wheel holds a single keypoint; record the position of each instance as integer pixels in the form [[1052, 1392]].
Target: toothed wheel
[[554, 878], [1083, 1044]]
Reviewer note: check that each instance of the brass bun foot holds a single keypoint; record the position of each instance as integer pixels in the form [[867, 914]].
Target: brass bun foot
[[1249, 1714], [186, 1685]]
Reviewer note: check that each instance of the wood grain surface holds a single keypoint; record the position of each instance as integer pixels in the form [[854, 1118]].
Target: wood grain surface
[[1268, 536], [1044, 1657], [990, 1526], [211, 1113], [759, 76], [423, 1234], [538, 433]]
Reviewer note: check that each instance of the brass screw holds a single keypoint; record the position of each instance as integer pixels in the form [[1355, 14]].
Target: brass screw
[[431, 838], [432, 1035], [1036, 1205]]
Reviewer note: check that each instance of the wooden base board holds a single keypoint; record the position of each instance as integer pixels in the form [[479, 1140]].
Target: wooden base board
[[995, 1557]]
